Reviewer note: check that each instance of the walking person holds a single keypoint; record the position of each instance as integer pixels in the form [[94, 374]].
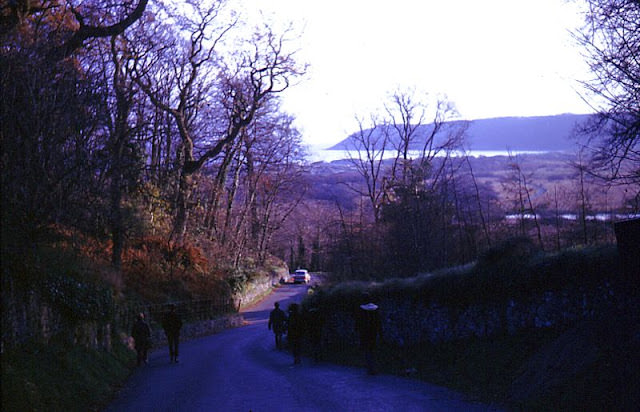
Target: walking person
[[295, 332], [315, 322], [369, 328], [277, 323], [172, 325], [141, 333]]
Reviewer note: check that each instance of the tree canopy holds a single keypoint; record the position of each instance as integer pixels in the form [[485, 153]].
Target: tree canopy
[[125, 118]]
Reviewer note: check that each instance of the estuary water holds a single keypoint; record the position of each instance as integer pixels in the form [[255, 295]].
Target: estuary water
[[317, 154]]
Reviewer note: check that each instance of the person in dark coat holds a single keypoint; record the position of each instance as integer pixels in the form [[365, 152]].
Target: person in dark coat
[[141, 333], [172, 325], [277, 323], [369, 328], [315, 322], [295, 332]]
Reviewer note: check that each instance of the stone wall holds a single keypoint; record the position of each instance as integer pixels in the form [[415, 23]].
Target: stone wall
[[258, 287], [28, 316], [407, 322]]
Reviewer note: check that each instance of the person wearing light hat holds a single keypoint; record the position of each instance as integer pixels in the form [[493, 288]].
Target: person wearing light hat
[[369, 328]]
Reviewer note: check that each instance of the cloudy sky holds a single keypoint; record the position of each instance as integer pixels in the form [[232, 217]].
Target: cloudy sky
[[491, 58]]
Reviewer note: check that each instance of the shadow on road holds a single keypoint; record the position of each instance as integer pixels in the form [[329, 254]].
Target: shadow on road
[[256, 315]]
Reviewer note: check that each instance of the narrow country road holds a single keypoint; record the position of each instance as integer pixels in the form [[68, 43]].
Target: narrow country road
[[240, 370]]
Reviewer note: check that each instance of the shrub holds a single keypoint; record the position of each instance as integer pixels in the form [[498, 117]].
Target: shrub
[[514, 268], [31, 376]]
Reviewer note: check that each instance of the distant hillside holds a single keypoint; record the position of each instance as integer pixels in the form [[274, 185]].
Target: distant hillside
[[542, 133]]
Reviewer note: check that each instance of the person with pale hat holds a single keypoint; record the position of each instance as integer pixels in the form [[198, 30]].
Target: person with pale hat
[[369, 328]]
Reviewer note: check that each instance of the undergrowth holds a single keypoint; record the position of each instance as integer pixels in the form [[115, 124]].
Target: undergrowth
[[61, 377], [490, 279]]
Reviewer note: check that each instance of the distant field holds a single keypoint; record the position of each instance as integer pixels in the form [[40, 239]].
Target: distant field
[[552, 179]]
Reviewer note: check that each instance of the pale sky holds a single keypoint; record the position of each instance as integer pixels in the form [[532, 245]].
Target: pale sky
[[491, 58]]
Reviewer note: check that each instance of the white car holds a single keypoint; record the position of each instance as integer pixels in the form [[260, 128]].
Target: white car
[[301, 276]]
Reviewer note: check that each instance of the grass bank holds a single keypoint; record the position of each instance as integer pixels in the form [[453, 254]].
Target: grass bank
[[61, 377]]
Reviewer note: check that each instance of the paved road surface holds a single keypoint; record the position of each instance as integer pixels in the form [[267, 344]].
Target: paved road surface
[[240, 370]]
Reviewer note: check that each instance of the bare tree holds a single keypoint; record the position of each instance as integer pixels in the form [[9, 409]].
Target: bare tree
[[521, 188], [582, 195], [611, 42], [556, 216], [406, 115], [240, 85], [120, 135], [266, 185], [278, 183], [367, 149], [483, 219], [407, 112], [409, 190]]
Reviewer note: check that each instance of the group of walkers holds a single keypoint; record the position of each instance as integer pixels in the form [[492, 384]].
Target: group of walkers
[[141, 333], [295, 324], [298, 325], [292, 325]]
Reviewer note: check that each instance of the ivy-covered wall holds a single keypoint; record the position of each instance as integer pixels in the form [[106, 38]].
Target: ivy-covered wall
[[84, 314], [409, 322], [249, 286], [76, 312]]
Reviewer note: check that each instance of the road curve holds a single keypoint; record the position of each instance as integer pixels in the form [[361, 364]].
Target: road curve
[[240, 370]]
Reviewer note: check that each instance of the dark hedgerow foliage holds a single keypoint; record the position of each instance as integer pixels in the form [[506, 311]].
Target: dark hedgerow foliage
[[79, 300], [65, 281], [512, 269]]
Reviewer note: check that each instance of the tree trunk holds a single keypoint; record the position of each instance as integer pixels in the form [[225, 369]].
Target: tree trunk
[[116, 220], [182, 208]]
